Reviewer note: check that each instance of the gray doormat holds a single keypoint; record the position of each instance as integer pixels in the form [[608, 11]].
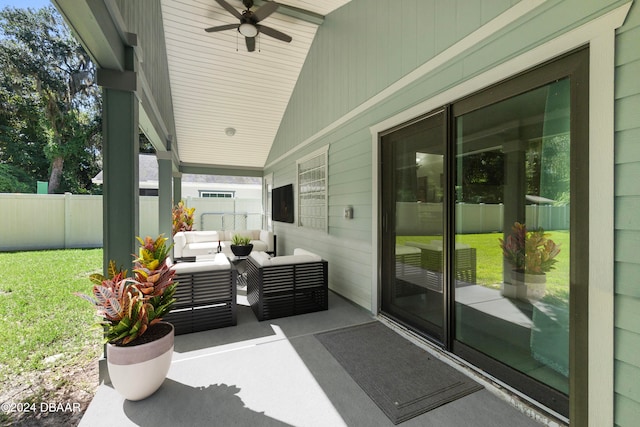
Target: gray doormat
[[400, 377]]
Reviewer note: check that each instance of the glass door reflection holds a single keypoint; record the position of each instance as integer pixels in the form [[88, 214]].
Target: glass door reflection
[[413, 194]]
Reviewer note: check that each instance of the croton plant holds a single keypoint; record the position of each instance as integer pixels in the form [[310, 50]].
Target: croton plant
[[128, 306], [182, 217], [529, 251]]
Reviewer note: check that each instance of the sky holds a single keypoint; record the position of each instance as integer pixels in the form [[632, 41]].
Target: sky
[[34, 4]]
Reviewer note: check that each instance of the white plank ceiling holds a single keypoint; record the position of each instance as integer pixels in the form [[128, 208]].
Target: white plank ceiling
[[217, 84]]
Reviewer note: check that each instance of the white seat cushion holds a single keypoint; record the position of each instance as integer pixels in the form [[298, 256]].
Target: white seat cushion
[[294, 259], [299, 256], [193, 249], [219, 262]]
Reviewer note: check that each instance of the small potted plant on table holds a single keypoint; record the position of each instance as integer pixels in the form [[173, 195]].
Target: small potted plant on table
[[532, 254], [240, 245], [139, 346]]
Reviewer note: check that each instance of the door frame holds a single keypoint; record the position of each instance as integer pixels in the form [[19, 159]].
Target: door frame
[[599, 33], [386, 223]]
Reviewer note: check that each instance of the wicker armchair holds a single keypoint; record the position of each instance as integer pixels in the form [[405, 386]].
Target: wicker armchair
[[286, 285], [205, 295]]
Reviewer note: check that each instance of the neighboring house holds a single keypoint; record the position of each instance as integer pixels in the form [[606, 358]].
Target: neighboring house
[[194, 185], [412, 104]]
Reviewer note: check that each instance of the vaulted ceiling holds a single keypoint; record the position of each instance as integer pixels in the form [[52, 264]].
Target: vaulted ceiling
[[217, 84]]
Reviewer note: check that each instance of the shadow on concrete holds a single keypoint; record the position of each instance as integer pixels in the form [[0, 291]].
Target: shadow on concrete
[[247, 329], [341, 313], [176, 404]]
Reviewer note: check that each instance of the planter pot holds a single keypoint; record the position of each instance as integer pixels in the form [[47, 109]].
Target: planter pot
[[241, 250], [530, 287], [136, 372], [512, 290]]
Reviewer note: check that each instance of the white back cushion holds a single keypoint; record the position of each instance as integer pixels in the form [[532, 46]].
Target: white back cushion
[[202, 236], [260, 258], [299, 256]]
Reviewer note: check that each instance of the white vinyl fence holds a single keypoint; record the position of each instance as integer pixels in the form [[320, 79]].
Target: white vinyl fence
[[474, 218], [61, 221]]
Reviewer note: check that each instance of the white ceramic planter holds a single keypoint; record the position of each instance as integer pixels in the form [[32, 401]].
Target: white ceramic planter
[[525, 287], [532, 286], [511, 290], [137, 372]]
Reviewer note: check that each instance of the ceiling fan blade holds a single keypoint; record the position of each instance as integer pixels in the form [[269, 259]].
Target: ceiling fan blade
[[265, 10], [232, 10], [251, 43], [274, 33], [221, 28]]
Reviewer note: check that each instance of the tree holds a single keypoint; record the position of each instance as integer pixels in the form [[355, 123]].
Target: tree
[[482, 178], [14, 180], [21, 140], [52, 102]]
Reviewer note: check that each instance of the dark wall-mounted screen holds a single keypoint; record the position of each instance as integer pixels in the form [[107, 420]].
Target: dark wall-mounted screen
[[282, 207]]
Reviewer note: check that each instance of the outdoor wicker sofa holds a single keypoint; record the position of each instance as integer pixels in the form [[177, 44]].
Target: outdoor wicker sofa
[[190, 244], [286, 285], [206, 295], [431, 259]]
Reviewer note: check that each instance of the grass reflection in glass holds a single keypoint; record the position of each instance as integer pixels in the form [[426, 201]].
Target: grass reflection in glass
[[489, 268]]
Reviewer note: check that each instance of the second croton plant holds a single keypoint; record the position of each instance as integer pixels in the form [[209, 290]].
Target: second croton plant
[[529, 251], [130, 306]]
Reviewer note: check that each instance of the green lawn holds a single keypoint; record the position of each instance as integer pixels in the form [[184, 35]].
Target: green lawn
[[40, 317], [489, 261]]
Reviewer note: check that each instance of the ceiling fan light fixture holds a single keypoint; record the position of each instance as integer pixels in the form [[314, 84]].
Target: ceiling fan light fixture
[[250, 25], [248, 30]]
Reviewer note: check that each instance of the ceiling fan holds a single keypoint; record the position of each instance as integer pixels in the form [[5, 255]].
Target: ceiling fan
[[249, 19]]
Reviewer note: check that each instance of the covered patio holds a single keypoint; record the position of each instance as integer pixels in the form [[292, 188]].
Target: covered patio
[[354, 71], [276, 373]]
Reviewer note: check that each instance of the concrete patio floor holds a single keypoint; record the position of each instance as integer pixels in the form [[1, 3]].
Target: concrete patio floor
[[275, 373]]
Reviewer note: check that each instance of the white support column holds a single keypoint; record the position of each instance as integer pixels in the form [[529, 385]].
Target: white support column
[[177, 187], [165, 192]]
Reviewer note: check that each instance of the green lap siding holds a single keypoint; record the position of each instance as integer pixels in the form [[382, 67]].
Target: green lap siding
[[627, 221]]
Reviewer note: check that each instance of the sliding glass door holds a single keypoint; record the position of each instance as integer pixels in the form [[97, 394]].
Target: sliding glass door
[[412, 210], [484, 211]]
